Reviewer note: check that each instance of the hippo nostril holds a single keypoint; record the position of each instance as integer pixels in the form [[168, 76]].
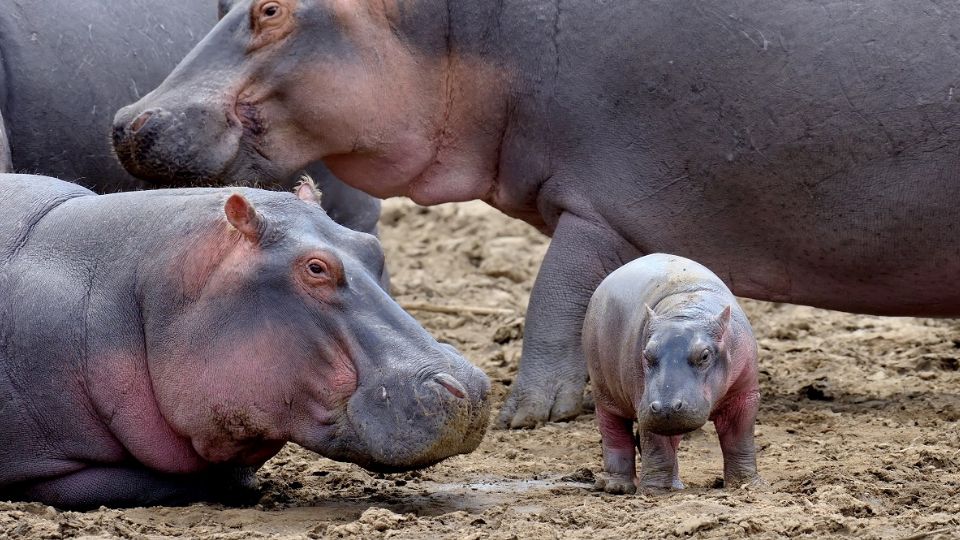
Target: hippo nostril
[[655, 406], [140, 121], [452, 385], [678, 404]]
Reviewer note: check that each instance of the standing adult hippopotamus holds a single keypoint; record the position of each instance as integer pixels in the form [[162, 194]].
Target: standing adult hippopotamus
[[804, 151], [153, 344], [67, 65]]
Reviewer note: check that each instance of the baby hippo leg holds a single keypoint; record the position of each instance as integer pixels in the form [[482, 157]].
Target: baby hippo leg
[[734, 423], [658, 461], [619, 453]]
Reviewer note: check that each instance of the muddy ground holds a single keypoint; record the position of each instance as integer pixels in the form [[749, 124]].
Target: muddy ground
[[859, 431]]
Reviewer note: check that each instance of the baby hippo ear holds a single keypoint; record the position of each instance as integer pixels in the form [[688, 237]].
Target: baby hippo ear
[[307, 190], [723, 324], [650, 313], [243, 216]]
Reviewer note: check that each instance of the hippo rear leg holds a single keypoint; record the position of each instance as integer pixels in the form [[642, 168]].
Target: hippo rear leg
[[6, 162], [734, 423], [659, 468], [619, 453], [553, 372], [136, 485]]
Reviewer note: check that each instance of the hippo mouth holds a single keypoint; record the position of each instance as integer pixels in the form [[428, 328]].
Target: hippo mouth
[[671, 427], [442, 422]]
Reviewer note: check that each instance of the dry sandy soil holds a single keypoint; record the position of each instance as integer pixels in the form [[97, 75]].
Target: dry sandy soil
[[859, 431]]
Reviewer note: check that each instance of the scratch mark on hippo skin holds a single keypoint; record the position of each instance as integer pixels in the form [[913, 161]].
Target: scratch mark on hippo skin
[[31, 222]]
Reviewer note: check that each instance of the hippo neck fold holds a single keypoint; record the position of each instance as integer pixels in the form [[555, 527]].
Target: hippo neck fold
[[470, 79]]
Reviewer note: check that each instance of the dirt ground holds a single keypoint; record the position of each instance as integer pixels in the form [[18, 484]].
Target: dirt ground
[[859, 431]]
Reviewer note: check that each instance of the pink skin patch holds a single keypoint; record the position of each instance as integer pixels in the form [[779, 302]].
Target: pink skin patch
[[120, 386], [237, 395]]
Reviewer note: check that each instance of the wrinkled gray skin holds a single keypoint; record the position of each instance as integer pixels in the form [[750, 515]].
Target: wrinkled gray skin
[[159, 346], [668, 347], [804, 151], [67, 65]]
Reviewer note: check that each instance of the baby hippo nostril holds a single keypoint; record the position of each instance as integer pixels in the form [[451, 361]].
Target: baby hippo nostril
[[677, 405], [655, 406], [140, 121], [452, 385]]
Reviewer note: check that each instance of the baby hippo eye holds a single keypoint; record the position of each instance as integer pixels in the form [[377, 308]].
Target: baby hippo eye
[[704, 357], [650, 359]]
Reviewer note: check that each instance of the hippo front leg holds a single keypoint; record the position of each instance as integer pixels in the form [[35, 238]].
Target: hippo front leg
[[619, 453], [734, 423], [553, 373], [659, 468], [138, 486]]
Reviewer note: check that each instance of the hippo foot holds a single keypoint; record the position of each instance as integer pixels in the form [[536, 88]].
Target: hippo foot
[[615, 484], [754, 482], [655, 487], [530, 405]]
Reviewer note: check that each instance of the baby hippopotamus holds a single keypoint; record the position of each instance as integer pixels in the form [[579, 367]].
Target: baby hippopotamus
[[667, 346]]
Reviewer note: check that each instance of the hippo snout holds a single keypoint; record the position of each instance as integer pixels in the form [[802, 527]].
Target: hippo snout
[[154, 144], [673, 416], [412, 419]]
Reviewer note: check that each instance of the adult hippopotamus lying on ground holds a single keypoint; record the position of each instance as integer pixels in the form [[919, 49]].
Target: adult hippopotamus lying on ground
[[67, 65], [806, 152], [150, 341]]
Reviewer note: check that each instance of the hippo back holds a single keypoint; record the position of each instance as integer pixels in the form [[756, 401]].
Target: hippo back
[[69, 64], [24, 201], [654, 277]]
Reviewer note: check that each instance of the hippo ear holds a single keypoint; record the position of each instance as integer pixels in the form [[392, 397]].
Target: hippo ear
[[243, 216], [723, 324], [651, 315], [307, 190]]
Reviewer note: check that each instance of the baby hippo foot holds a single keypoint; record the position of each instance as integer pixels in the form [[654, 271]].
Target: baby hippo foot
[[616, 484]]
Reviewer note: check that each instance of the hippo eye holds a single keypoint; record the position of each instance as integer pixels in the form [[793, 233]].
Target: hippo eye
[[270, 10], [317, 268], [650, 360], [704, 358]]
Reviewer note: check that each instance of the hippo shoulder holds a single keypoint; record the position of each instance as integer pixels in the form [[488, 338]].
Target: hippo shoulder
[[24, 201]]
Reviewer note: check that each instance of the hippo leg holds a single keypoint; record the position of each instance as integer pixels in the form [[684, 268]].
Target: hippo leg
[[6, 164], [553, 372], [734, 423], [619, 453], [658, 461], [139, 486]]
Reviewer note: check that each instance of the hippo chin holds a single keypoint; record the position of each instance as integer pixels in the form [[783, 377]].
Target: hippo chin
[[155, 346], [804, 152], [669, 369]]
